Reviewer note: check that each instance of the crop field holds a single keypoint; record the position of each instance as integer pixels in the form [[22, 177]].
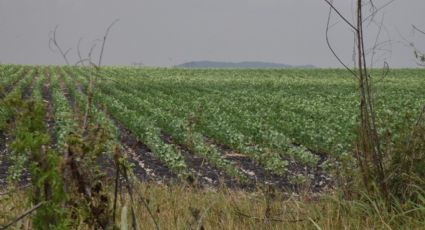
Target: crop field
[[239, 128]]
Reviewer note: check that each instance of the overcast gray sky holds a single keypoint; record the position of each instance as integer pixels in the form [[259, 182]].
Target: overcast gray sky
[[169, 32]]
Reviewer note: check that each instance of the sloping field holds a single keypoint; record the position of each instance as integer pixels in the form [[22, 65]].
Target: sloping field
[[239, 128], [179, 148]]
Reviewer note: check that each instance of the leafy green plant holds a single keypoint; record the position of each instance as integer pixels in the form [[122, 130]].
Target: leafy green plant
[[145, 130], [31, 145]]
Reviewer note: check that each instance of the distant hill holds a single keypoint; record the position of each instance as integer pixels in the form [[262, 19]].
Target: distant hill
[[248, 64]]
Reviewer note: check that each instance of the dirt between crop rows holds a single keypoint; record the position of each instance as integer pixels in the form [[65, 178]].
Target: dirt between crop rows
[[205, 174], [317, 179], [147, 166], [5, 162], [258, 176]]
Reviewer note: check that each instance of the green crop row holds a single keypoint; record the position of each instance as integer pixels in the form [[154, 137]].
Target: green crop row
[[14, 107], [65, 124], [13, 99], [213, 121], [314, 108], [143, 129], [179, 129]]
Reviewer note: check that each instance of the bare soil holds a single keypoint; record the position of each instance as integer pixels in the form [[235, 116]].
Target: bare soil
[[259, 176], [147, 166], [205, 174]]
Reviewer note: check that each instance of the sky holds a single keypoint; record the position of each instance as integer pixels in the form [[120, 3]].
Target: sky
[[170, 32]]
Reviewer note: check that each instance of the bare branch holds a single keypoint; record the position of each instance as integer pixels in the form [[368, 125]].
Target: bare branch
[[385, 71], [80, 58], [22, 216], [50, 45], [105, 37], [375, 45], [376, 10], [340, 15], [417, 29], [420, 56], [67, 51], [373, 7], [370, 157], [330, 46], [89, 55], [82, 61], [378, 46], [53, 41], [91, 51]]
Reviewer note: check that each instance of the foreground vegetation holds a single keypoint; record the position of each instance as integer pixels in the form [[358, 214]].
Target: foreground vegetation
[[184, 207], [235, 149]]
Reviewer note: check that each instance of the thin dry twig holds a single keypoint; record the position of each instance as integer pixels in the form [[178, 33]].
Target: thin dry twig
[[331, 5], [385, 71], [26, 213], [53, 41], [91, 51], [105, 37], [328, 40], [417, 29], [376, 44], [82, 61], [376, 10], [80, 58], [88, 59]]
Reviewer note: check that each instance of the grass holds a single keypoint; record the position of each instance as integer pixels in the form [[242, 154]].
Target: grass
[[185, 207]]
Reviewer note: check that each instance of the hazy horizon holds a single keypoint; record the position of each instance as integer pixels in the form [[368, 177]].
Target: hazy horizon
[[168, 33]]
